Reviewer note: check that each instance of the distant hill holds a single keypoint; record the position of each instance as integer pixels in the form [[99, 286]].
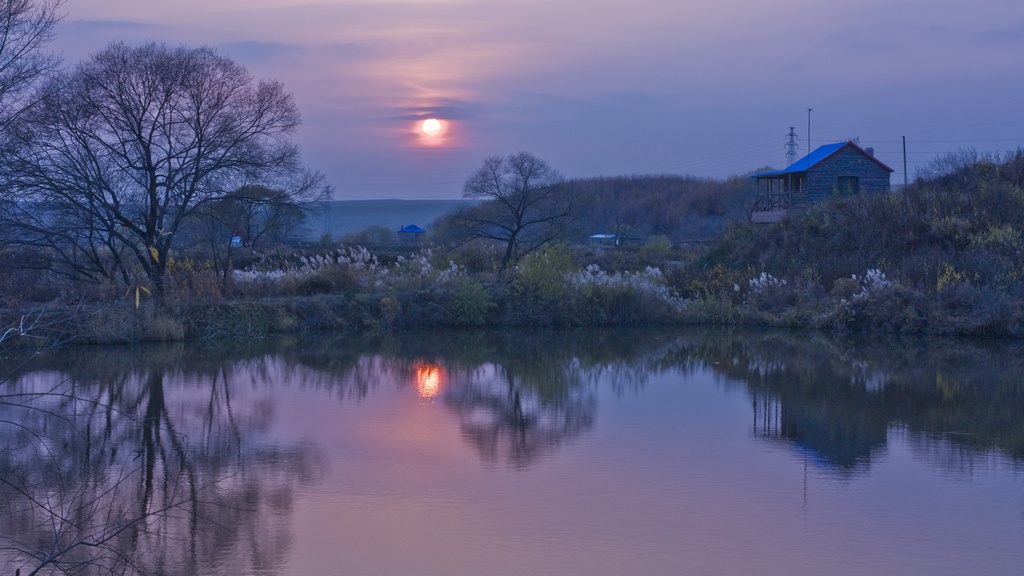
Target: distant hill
[[343, 217], [682, 208]]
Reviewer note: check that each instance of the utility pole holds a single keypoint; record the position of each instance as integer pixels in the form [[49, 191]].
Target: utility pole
[[904, 161], [326, 204], [791, 146], [809, 110]]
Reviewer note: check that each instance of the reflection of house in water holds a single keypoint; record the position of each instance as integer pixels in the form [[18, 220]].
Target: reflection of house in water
[[835, 410], [842, 433], [842, 399]]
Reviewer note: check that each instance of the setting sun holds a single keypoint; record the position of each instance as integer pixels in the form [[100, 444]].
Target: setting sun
[[431, 126]]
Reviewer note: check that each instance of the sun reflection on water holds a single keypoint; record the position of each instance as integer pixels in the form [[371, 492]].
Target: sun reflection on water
[[428, 380]]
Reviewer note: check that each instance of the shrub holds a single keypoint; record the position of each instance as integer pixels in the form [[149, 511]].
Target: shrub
[[657, 247], [477, 257], [893, 308], [844, 288], [766, 292], [347, 269], [472, 303], [624, 297], [542, 273], [962, 308], [197, 279]]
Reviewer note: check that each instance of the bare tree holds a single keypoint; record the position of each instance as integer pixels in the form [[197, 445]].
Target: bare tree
[[126, 147], [26, 26], [251, 216], [524, 207]]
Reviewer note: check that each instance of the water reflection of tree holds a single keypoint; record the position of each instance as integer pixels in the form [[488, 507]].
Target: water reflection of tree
[[518, 394], [528, 398], [841, 397], [141, 459], [152, 446], [836, 396], [108, 471]]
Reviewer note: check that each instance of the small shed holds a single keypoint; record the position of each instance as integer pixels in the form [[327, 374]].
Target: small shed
[[840, 169], [411, 234]]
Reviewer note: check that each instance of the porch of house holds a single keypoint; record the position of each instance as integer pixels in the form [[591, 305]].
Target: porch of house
[[775, 195]]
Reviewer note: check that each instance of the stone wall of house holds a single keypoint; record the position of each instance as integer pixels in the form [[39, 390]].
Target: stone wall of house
[[823, 179]]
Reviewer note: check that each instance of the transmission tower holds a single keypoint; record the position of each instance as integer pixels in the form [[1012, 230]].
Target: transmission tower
[[791, 146]]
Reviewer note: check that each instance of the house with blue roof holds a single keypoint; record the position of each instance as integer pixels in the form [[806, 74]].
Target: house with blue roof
[[411, 234], [411, 229], [841, 169]]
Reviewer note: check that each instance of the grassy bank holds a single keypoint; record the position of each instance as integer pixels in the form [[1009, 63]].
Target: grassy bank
[[942, 256]]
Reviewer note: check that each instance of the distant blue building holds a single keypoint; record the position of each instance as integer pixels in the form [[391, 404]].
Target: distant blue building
[[411, 234], [840, 169]]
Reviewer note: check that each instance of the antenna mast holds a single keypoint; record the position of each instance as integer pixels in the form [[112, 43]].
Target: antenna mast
[[791, 146]]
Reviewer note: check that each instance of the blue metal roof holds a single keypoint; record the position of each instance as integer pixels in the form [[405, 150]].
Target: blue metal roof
[[803, 164], [412, 229]]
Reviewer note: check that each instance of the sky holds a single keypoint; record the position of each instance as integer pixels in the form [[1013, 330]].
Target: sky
[[707, 88]]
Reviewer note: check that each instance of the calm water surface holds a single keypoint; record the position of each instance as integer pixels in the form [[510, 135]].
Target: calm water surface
[[678, 452]]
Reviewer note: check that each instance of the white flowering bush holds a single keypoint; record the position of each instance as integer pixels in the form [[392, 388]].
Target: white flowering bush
[[872, 282], [876, 302], [250, 276], [354, 267], [289, 272], [765, 292], [764, 282], [418, 272], [450, 274], [649, 283]]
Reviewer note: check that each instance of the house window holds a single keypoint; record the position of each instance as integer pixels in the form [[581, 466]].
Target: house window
[[849, 185]]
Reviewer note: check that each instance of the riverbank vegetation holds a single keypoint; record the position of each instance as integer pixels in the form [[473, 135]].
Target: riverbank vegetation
[[941, 256]]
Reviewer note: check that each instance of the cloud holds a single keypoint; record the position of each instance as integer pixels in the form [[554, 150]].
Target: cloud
[[108, 30], [448, 109], [76, 39], [250, 51], [1003, 35]]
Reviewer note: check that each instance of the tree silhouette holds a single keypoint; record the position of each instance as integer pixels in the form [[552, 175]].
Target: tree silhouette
[[121, 151], [523, 207]]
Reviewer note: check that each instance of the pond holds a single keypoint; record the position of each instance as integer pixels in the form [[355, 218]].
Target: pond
[[508, 453]]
